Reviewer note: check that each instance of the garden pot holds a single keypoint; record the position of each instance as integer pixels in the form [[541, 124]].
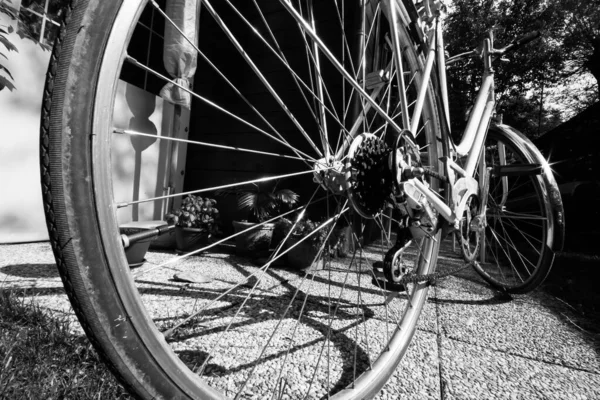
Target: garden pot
[[190, 239], [166, 241], [301, 256], [135, 252], [254, 241]]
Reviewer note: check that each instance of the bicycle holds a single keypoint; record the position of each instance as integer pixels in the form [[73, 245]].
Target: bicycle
[[365, 123]]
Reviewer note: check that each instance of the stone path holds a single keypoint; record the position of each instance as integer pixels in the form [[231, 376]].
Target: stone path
[[471, 343]]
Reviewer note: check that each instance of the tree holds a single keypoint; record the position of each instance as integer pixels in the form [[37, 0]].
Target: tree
[[566, 49], [579, 35], [6, 80], [29, 26]]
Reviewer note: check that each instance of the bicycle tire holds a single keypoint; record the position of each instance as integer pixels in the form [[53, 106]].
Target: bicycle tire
[[529, 264], [86, 242]]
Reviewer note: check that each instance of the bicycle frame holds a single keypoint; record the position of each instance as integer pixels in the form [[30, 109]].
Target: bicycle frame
[[460, 180], [474, 136]]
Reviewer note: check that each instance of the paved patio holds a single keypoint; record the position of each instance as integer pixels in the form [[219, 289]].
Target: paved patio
[[472, 342]]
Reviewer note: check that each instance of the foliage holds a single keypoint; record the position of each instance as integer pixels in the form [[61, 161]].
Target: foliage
[[29, 23], [569, 43], [577, 29], [335, 243], [28, 27], [196, 212], [6, 82], [262, 203]]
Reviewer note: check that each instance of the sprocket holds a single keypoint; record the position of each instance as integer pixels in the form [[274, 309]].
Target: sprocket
[[369, 176]]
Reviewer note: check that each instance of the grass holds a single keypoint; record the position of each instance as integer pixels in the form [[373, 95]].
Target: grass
[[41, 359]]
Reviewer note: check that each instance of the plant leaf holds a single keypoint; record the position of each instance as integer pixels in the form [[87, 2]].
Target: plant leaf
[[287, 196], [3, 68], [247, 201], [8, 44], [6, 83]]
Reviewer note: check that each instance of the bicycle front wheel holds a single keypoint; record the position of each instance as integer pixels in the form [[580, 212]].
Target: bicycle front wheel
[[281, 94], [524, 218]]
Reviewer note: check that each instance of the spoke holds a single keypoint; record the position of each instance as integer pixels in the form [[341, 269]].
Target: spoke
[[394, 28], [345, 45], [215, 105], [391, 219], [325, 50], [528, 219], [297, 80], [520, 216], [239, 284], [281, 57], [379, 222], [263, 272], [368, 36], [229, 83], [526, 235], [515, 187], [206, 144], [320, 83], [330, 319], [262, 78], [512, 244], [230, 185], [506, 254], [355, 129], [137, 274], [381, 292], [320, 100], [490, 246], [289, 306]]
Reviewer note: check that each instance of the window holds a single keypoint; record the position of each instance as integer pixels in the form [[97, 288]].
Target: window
[[146, 46], [39, 20]]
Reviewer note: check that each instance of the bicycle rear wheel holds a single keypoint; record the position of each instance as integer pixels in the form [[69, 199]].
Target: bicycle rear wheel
[[331, 332], [525, 220]]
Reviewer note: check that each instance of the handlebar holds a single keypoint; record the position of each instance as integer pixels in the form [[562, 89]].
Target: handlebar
[[522, 41]]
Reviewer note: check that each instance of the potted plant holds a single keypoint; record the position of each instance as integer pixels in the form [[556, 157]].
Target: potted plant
[[262, 204], [196, 222], [302, 253], [135, 251]]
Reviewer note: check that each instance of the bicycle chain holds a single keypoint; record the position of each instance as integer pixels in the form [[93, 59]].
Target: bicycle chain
[[431, 278]]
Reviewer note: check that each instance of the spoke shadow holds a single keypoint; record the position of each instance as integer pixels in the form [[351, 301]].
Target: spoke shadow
[[271, 307]]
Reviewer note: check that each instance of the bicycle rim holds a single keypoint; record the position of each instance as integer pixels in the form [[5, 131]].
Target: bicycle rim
[[333, 331], [519, 238]]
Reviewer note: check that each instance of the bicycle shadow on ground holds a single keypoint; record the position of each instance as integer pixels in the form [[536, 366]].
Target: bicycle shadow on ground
[[34, 271], [259, 307]]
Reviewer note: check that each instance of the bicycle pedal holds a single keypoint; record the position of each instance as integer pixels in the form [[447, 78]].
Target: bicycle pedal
[[390, 287], [378, 266]]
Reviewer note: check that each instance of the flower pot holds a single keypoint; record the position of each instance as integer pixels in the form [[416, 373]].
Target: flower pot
[[302, 255], [190, 239], [136, 251], [255, 240], [166, 241]]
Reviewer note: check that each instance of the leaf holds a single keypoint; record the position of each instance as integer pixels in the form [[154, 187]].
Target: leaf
[[247, 201], [7, 44], [286, 196], [2, 67], [6, 83]]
